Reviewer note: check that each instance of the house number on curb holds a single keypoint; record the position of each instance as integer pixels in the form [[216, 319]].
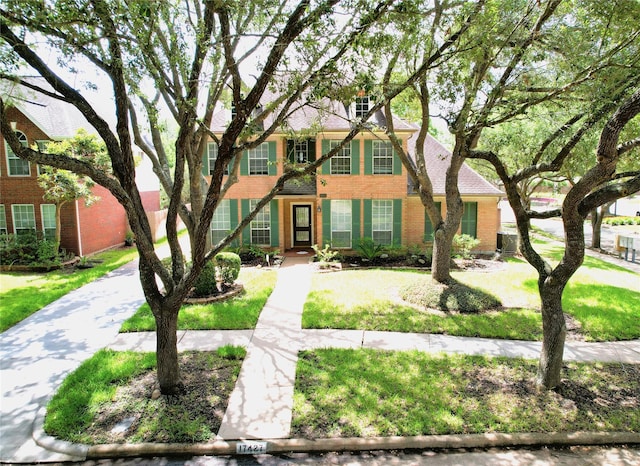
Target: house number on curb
[[251, 448]]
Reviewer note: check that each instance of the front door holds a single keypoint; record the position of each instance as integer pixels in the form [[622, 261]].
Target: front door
[[301, 225]]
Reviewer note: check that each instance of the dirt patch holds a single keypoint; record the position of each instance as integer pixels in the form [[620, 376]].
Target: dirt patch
[[138, 413]]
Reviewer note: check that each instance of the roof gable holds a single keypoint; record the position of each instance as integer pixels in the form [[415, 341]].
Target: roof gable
[[437, 159]]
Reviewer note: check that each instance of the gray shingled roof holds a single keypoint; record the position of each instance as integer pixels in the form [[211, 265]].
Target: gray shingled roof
[[57, 119], [328, 115], [437, 159]]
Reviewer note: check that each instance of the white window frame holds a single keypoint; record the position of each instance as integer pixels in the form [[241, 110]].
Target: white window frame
[[41, 143], [260, 226], [341, 223], [18, 218], [301, 151], [3, 221], [212, 156], [343, 156], [221, 221], [46, 212], [362, 106], [382, 155], [382, 221], [258, 159], [13, 159]]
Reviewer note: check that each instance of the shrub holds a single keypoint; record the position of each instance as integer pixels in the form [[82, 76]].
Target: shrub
[[463, 245], [452, 296], [206, 283], [228, 265], [325, 254], [29, 249], [369, 250]]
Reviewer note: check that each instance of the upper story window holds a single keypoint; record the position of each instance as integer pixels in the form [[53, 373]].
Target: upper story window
[[341, 162], [382, 158], [361, 106], [259, 159], [212, 156], [301, 151], [17, 166], [42, 145]]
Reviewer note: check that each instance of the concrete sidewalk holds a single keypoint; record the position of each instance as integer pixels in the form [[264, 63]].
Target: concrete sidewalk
[[43, 349]]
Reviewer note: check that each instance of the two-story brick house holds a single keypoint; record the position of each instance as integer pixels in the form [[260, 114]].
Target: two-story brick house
[[37, 118], [362, 192]]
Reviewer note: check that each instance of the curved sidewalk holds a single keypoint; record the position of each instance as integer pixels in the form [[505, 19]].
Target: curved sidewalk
[[39, 352]]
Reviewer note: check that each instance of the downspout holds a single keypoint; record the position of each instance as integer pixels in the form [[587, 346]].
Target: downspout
[[78, 232]]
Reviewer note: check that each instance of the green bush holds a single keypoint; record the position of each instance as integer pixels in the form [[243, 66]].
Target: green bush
[[463, 245], [228, 264], [206, 283], [369, 250], [29, 248], [452, 296]]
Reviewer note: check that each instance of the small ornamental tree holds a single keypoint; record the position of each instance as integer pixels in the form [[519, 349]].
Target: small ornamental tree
[[62, 186]]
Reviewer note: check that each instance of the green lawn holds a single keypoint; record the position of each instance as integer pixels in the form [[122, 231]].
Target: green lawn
[[366, 393], [111, 387], [603, 298], [241, 312], [23, 293]]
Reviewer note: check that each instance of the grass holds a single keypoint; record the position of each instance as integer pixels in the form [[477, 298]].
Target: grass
[[112, 387], [368, 300], [23, 293], [366, 393], [602, 297], [237, 313]]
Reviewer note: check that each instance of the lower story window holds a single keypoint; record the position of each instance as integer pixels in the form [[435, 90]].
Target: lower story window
[[24, 218], [221, 221], [261, 225], [48, 220], [341, 224], [382, 222], [3, 221], [469, 223]]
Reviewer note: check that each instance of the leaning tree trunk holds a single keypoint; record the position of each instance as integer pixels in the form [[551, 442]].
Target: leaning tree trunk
[[554, 331]]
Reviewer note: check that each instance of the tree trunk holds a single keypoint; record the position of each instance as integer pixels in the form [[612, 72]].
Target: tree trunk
[[596, 225], [167, 352], [441, 258], [554, 331]]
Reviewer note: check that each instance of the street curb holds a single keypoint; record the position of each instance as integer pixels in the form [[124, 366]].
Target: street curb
[[421, 442]]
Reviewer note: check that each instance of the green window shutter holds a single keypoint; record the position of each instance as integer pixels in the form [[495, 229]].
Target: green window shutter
[[326, 222], [272, 166], [368, 157], [233, 220], [397, 222], [368, 228], [397, 164], [355, 222], [428, 226], [311, 144], [355, 157], [326, 166], [205, 161], [275, 233], [470, 219], [244, 163], [290, 155], [246, 231]]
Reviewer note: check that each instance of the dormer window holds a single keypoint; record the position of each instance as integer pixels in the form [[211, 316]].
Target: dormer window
[[361, 106]]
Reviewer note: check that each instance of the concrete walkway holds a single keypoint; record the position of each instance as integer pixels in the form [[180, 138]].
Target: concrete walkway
[[39, 352]]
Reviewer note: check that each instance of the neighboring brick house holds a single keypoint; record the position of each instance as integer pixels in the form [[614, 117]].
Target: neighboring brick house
[[85, 230], [362, 192]]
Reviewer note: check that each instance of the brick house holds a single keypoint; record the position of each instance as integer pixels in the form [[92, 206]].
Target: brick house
[[362, 192], [36, 119]]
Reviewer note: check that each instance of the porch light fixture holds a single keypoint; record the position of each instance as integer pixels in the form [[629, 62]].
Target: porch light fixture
[[318, 209]]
